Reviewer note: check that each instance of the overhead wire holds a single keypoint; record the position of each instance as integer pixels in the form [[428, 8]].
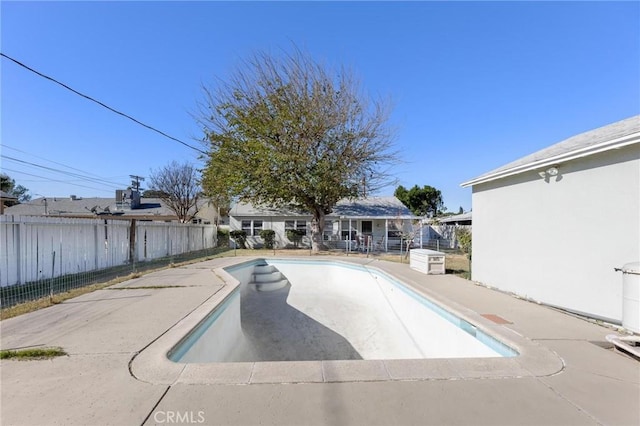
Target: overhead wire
[[50, 161], [54, 180], [101, 103], [67, 173]]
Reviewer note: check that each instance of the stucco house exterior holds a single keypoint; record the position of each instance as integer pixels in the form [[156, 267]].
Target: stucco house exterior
[[373, 222], [553, 225]]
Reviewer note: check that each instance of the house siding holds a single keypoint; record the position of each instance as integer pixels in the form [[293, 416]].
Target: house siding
[[377, 210], [558, 242], [276, 223]]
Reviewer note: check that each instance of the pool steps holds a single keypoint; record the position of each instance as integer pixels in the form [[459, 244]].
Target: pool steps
[[267, 278]]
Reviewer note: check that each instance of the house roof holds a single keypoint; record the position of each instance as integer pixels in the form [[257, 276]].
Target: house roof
[[463, 217], [369, 207], [613, 136], [91, 207], [7, 196]]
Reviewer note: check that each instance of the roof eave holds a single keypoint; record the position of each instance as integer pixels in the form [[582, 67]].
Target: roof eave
[[617, 143]]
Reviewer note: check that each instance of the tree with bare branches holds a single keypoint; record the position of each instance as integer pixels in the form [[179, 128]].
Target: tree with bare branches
[[177, 185], [286, 131]]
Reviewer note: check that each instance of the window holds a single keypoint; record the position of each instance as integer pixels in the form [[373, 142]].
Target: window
[[257, 227], [328, 230], [345, 234], [252, 227], [300, 225], [394, 231], [246, 226]]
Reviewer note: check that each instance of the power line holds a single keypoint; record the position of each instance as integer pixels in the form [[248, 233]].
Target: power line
[[50, 161], [101, 104], [77, 175], [55, 180]]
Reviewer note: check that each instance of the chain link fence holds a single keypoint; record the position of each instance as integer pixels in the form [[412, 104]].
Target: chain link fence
[[43, 256]]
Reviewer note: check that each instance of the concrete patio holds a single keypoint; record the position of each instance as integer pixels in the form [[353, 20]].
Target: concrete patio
[[104, 332]]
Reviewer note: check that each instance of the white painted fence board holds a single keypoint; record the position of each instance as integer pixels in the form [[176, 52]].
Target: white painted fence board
[[28, 244]]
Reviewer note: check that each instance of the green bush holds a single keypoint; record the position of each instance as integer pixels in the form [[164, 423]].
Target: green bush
[[463, 235], [269, 237], [295, 236], [223, 237], [240, 237]]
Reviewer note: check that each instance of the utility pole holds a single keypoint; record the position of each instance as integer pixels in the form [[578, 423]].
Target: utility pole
[[364, 186], [135, 183]]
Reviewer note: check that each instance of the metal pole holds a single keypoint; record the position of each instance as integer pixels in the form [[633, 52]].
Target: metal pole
[[53, 267]]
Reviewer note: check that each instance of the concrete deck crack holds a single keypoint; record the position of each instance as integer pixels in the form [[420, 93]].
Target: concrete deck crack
[[576, 406], [156, 405]]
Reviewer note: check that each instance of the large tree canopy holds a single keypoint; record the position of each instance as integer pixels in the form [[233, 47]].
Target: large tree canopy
[[286, 131], [425, 201]]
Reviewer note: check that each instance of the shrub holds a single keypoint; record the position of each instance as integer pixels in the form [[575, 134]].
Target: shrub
[[463, 235], [295, 236], [240, 237], [223, 237], [269, 237]]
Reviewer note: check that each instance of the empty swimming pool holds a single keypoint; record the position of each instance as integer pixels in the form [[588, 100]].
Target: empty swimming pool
[[303, 310]]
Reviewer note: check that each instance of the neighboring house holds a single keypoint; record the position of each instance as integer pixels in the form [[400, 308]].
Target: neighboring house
[[552, 226], [6, 200], [444, 229], [462, 219], [146, 209], [374, 222]]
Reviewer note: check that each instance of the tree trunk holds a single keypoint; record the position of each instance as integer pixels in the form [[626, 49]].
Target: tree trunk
[[317, 227]]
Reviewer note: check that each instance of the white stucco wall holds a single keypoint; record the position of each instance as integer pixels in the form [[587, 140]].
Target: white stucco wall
[[276, 223], [559, 241]]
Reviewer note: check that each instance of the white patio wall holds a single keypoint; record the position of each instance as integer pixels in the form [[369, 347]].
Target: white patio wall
[[559, 241]]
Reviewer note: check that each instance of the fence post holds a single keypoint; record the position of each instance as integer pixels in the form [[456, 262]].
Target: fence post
[[53, 268], [132, 243], [18, 238], [96, 246]]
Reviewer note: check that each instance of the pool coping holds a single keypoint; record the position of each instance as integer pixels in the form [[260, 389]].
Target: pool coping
[[152, 365]]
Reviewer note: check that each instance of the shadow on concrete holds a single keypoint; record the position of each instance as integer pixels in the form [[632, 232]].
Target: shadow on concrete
[[279, 332]]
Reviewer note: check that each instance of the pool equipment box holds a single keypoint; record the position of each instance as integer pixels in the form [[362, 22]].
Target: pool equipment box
[[427, 261]]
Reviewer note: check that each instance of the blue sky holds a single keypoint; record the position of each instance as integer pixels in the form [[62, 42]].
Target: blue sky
[[475, 84]]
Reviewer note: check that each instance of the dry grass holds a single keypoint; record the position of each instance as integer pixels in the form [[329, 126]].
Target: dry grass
[[458, 264], [45, 302]]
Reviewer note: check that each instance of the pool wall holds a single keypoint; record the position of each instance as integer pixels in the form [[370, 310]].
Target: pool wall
[[331, 310]]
